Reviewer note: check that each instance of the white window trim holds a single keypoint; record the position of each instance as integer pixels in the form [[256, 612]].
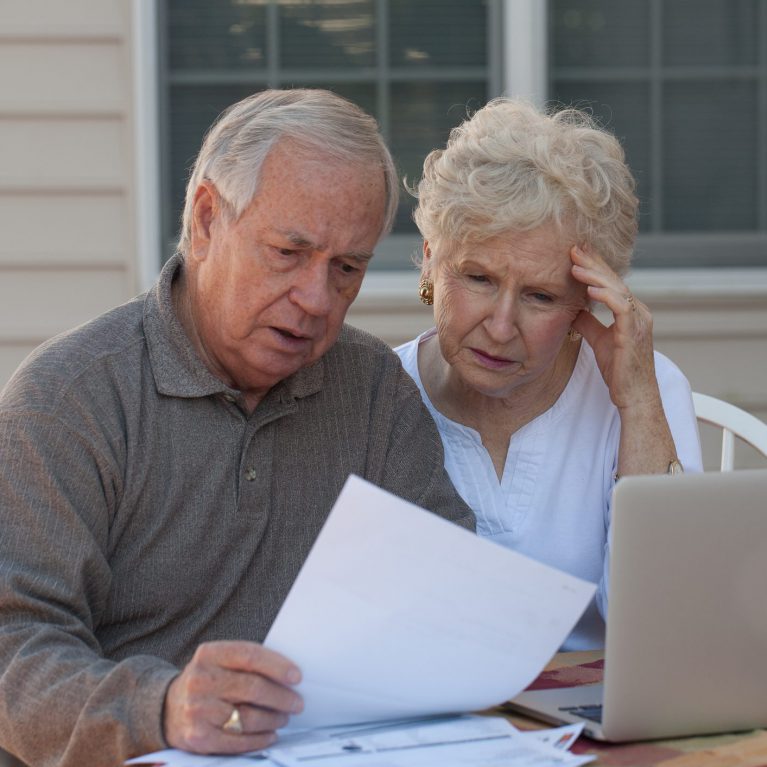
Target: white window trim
[[666, 285], [525, 61], [146, 140]]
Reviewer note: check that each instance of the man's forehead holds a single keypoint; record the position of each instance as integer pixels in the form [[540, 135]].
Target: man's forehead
[[318, 202]]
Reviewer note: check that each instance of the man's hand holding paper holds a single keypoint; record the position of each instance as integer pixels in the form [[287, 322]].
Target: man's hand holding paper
[[396, 614], [227, 677]]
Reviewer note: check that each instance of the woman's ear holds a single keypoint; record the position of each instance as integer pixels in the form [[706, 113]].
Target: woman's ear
[[426, 261]]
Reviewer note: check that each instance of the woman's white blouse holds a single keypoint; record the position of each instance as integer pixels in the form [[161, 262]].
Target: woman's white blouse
[[553, 502]]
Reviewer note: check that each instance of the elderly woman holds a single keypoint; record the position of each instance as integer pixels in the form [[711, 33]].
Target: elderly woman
[[529, 221]]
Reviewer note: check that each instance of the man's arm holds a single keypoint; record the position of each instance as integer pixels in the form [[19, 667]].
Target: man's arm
[[61, 701], [406, 455]]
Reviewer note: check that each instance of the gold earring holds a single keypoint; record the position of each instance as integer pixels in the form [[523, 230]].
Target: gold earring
[[426, 291], [573, 335]]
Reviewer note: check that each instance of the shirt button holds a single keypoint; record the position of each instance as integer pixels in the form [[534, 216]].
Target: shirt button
[[250, 474], [229, 397]]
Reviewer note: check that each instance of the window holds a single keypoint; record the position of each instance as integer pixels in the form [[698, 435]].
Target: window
[[415, 66], [683, 84]]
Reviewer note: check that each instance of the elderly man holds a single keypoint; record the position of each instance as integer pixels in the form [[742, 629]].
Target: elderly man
[[166, 467]]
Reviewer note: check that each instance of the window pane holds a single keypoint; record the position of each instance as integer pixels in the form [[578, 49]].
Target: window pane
[[600, 33], [624, 109], [709, 140], [216, 34], [425, 33], [422, 115], [327, 34], [709, 32], [686, 96], [193, 109], [362, 94]]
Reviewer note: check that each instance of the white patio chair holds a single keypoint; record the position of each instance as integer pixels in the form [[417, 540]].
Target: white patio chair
[[733, 422]]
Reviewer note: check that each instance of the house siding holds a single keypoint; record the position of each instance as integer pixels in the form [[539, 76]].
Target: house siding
[[66, 168]]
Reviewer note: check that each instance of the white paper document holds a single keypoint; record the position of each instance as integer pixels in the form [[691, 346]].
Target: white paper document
[[557, 737], [397, 613], [473, 741]]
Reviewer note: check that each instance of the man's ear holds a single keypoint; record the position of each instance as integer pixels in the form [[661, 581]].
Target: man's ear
[[205, 209]]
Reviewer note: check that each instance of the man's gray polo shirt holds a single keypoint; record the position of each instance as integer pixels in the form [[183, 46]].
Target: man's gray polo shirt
[[143, 512]]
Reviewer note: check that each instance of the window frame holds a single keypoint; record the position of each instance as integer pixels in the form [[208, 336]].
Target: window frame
[[147, 187]]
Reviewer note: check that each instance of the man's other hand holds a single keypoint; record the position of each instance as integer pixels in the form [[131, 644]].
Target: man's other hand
[[222, 677]]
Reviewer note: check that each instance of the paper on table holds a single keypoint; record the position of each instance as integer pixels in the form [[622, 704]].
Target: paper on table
[[397, 613], [558, 737], [469, 741], [172, 757], [387, 737], [473, 741]]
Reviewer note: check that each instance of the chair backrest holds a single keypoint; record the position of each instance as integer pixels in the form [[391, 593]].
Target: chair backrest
[[733, 422]]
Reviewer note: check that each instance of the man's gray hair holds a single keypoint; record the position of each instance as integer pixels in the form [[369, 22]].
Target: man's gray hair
[[320, 121], [515, 167]]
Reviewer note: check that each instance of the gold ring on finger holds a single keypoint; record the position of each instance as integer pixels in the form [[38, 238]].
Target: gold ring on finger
[[631, 302], [233, 724]]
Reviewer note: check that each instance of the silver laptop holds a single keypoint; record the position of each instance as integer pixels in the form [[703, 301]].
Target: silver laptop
[[686, 646]]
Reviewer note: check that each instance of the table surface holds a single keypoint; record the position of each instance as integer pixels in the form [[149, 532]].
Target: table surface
[[747, 749]]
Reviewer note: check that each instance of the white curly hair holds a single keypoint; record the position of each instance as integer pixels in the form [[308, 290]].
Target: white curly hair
[[513, 167]]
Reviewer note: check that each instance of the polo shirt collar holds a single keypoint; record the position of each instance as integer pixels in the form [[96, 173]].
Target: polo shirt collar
[[178, 370]]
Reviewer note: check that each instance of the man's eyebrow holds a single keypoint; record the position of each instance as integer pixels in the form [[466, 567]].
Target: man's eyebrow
[[302, 242], [298, 240], [360, 255]]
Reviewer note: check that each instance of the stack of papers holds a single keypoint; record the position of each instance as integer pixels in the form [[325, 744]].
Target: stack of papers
[[399, 614], [463, 741]]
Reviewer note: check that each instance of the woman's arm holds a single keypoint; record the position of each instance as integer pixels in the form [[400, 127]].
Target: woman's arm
[[624, 354]]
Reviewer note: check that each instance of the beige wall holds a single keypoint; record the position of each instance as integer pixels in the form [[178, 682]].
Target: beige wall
[[67, 250], [721, 344]]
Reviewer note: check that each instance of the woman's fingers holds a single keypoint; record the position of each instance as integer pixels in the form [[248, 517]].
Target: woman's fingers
[[604, 285], [623, 349], [619, 300]]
